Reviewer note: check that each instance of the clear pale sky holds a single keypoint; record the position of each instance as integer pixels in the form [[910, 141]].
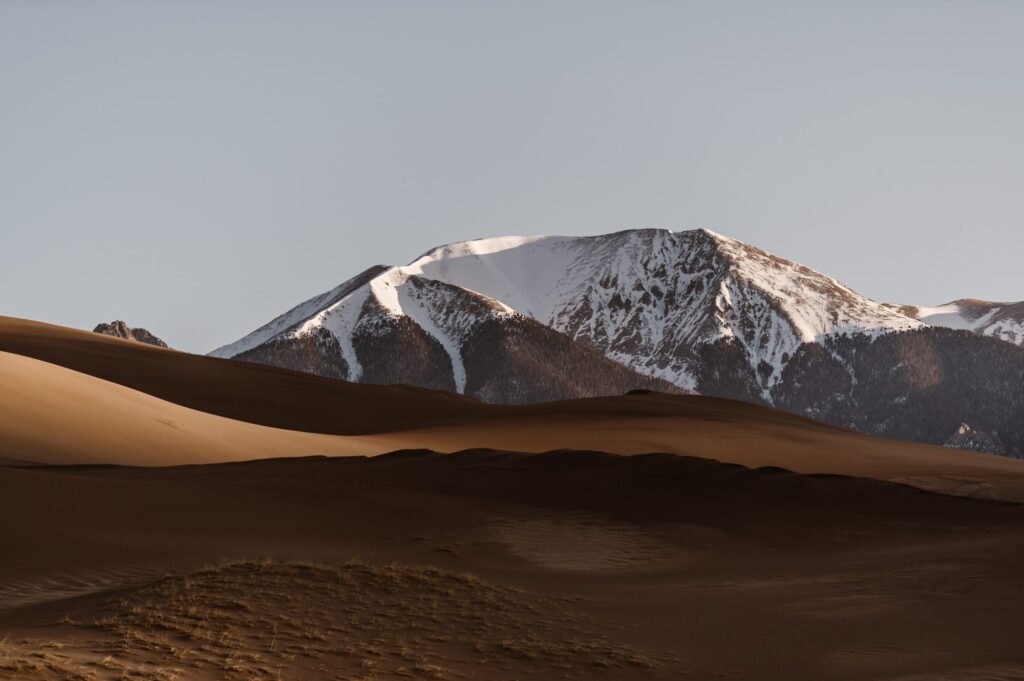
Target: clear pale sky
[[199, 167]]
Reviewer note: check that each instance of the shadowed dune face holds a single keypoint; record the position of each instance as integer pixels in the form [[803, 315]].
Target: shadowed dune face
[[584, 565], [223, 403]]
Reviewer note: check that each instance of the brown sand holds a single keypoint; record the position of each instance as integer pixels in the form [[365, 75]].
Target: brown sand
[[237, 390], [54, 415], [127, 426], [583, 566], [481, 564]]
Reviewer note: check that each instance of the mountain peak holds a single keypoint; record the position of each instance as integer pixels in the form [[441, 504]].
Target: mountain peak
[[647, 298], [119, 329], [532, 318]]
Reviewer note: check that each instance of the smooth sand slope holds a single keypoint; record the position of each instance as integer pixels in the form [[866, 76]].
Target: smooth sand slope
[[53, 415], [238, 390], [582, 566], [42, 424]]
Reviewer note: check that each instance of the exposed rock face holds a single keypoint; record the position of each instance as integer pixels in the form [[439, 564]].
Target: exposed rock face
[[967, 437], [521, 319], [315, 353], [119, 329], [514, 361]]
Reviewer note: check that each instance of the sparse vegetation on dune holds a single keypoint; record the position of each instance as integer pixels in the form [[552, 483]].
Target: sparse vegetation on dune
[[265, 620]]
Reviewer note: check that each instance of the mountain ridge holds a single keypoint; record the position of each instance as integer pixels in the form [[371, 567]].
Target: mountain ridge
[[693, 309], [608, 305], [120, 329], [1004, 321]]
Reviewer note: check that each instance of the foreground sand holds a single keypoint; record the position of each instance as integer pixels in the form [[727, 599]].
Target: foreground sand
[[494, 566]]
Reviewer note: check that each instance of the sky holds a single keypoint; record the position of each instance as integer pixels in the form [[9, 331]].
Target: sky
[[198, 167]]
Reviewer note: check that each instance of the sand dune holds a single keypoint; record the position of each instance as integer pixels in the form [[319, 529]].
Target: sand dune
[[804, 562], [82, 411], [732, 432], [53, 415], [494, 565], [237, 390]]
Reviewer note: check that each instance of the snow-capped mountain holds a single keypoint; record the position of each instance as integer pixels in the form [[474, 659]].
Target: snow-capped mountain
[[410, 325], [523, 319], [645, 298]]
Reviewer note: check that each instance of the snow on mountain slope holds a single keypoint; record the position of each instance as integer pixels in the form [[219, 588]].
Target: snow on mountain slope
[[446, 313], [949, 316], [1008, 329], [648, 299], [363, 307], [300, 313], [985, 318]]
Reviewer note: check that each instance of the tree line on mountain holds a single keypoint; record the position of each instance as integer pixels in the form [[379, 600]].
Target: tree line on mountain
[[921, 384]]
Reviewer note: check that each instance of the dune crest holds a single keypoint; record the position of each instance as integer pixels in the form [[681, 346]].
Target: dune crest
[[49, 414], [88, 398]]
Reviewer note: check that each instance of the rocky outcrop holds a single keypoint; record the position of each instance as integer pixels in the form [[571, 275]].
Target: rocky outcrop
[[968, 438], [119, 329]]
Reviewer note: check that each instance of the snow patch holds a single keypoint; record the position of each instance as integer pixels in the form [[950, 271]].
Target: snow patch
[[341, 320], [412, 306], [946, 316]]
